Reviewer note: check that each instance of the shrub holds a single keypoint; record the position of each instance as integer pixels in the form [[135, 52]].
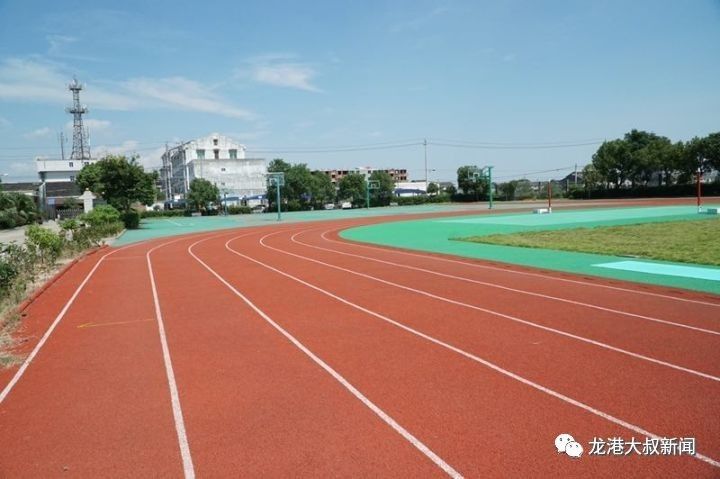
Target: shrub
[[44, 243], [162, 214], [131, 219], [239, 210], [8, 272], [101, 215]]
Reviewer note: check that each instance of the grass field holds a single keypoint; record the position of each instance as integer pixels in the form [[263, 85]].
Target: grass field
[[681, 241]]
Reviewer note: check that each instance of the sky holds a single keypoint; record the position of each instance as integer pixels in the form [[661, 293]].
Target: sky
[[525, 86]]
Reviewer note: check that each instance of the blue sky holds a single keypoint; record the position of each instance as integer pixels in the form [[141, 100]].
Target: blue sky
[[283, 76]]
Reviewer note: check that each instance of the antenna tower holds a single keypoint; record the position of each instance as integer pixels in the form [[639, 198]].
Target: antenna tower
[[80, 149]]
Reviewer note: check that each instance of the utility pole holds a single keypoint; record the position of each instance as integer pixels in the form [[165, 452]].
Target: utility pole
[[576, 175], [426, 164]]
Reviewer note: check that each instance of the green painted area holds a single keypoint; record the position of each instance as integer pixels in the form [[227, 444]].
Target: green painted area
[[680, 241], [162, 227], [436, 235]]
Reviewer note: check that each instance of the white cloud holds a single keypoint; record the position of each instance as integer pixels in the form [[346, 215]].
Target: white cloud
[[4, 122], [43, 132], [184, 94], [46, 82], [280, 70]]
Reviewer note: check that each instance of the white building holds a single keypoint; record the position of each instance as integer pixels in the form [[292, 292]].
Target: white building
[[54, 171], [216, 158]]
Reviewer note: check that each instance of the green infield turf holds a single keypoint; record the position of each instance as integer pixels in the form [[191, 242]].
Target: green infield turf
[[685, 242]]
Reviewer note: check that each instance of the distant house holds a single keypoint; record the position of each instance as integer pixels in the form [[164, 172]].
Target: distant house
[[216, 158]]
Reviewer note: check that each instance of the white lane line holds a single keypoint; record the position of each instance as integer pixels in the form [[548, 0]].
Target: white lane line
[[9, 387], [188, 468], [175, 222], [472, 357], [507, 288], [449, 470], [498, 314], [525, 273]]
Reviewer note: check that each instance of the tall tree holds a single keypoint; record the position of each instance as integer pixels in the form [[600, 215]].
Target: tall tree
[[202, 193], [121, 182], [352, 188], [382, 195], [468, 183], [323, 190]]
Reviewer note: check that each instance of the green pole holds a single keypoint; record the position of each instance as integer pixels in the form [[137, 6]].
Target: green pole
[[277, 187], [490, 191], [367, 194]]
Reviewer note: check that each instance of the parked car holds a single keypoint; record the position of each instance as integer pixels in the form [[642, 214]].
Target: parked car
[[329, 206], [258, 209], [346, 205]]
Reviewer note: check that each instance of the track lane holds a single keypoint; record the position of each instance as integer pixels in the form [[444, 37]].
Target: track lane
[[94, 401], [588, 288], [691, 348], [605, 375], [253, 403], [355, 335], [620, 303]]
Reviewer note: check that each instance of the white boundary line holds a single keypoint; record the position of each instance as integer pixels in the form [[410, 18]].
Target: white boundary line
[[525, 273], [21, 370], [472, 357], [337, 376], [498, 314], [507, 288], [188, 468]]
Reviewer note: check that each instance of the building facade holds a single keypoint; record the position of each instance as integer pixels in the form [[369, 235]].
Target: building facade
[[336, 175], [55, 171], [215, 158]]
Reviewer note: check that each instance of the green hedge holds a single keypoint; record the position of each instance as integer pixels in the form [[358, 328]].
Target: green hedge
[[162, 213]]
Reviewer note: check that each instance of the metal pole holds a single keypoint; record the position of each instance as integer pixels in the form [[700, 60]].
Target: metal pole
[[699, 190], [277, 187], [367, 194], [490, 189], [549, 197], [226, 208], [426, 168]]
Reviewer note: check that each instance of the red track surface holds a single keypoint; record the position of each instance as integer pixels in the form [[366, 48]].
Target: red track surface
[[293, 359]]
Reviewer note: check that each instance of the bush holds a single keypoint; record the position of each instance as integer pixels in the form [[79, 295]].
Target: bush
[[239, 210], [8, 273], [45, 244], [101, 215], [162, 214], [131, 219]]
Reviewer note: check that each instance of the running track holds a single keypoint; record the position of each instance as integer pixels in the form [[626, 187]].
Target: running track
[[285, 351]]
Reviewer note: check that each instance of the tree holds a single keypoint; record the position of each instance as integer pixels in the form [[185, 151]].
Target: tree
[[121, 182], [202, 193], [468, 183], [352, 187], [382, 195], [322, 188], [507, 190], [450, 190], [433, 189]]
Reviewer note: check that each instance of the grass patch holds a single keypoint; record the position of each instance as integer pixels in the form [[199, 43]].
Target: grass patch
[[680, 241]]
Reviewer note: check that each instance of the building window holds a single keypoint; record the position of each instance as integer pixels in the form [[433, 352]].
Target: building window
[[200, 154], [215, 141], [217, 154], [72, 177], [70, 163], [85, 163], [233, 154], [222, 169]]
